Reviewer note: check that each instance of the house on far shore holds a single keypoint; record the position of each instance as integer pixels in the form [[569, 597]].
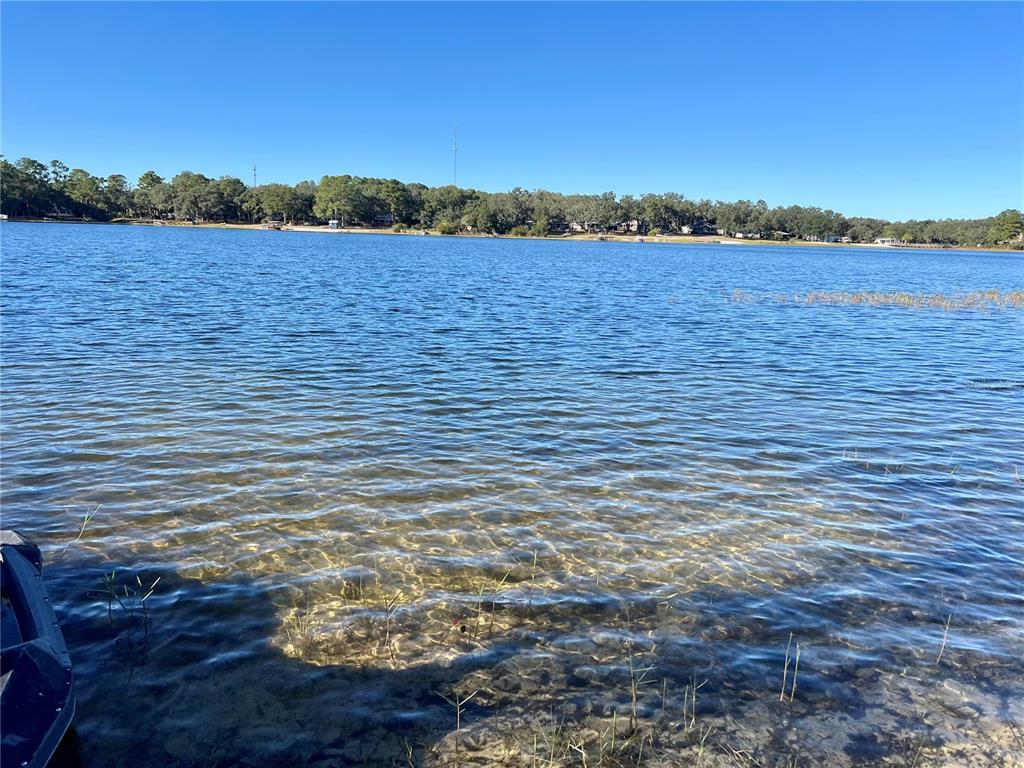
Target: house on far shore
[[630, 226], [62, 215], [845, 239], [332, 223], [699, 228], [383, 220], [886, 241]]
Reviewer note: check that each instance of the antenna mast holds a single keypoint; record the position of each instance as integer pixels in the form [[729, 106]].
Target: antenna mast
[[254, 176], [455, 157]]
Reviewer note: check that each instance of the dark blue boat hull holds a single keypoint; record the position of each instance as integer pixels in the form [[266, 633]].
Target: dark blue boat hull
[[37, 701]]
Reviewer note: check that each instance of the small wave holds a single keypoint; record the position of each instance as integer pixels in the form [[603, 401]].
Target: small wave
[[639, 372]]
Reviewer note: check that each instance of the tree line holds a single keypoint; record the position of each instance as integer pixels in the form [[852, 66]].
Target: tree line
[[31, 189]]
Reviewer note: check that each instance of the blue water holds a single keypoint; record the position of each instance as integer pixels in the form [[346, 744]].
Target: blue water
[[368, 469]]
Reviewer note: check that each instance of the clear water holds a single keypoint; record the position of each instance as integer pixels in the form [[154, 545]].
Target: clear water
[[369, 471]]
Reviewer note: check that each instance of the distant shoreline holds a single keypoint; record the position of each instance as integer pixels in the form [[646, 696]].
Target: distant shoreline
[[567, 237]]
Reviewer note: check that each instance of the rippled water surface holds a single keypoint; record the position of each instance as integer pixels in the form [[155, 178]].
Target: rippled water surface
[[578, 479]]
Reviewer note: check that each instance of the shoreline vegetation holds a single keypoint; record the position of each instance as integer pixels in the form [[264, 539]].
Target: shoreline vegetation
[[677, 239], [33, 190]]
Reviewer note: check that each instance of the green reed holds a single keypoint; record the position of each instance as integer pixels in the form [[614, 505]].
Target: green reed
[[495, 588], [128, 616], [690, 701], [796, 669], [785, 670], [533, 579], [389, 611], [86, 519], [637, 678], [458, 703], [945, 637], [298, 626]]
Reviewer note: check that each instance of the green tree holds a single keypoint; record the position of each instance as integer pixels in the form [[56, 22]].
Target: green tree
[[399, 199], [446, 203], [305, 199], [340, 197], [549, 212], [189, 195], [232, 193], [86, 193], [117, 195], [32, 185], [152, 196], [657, 211], [58, 174], [865, 230], [509, 209], [11, 188], [277, 200], [479, 215], [30, 188], [252, 206], [1007, 226], [149, 179]]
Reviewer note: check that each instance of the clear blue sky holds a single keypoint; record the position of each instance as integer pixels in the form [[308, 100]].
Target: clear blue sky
[[891, 110]]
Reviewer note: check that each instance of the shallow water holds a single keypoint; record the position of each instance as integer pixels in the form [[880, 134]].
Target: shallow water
[[369, 471]]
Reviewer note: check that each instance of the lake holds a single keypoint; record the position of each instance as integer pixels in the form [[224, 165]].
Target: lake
[[299, 493]]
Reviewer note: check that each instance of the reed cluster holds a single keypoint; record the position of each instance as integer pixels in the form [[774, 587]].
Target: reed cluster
[[971, 300]]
